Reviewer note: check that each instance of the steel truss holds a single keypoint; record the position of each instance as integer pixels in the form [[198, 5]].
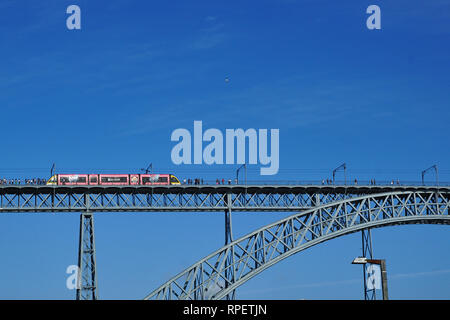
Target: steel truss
[[228, 239], [248, 256], [87, 274], [367, 252], [189, 198]]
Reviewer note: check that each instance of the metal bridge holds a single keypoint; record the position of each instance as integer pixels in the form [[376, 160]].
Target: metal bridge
[[220, 273], [322, 212], [22, 198]]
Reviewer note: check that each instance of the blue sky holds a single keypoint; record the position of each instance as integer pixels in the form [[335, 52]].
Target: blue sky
[[107, 97]]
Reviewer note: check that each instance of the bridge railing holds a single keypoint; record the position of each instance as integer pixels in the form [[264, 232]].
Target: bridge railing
[[323, 182], [282, 182]]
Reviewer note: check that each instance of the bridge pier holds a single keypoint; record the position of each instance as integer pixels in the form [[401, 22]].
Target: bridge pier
[[367, 252], [229, 263], [87, 289]]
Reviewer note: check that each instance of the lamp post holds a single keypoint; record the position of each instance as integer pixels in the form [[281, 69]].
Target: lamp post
[[382, 264], [237, 173], [435, 170], [344, 167]]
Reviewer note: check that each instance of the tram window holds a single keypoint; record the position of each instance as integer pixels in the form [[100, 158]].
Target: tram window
[[73, 179], [113, 179], [148, 180]]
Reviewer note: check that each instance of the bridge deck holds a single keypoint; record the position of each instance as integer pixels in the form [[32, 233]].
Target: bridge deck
[[194, 198], [280, 189]]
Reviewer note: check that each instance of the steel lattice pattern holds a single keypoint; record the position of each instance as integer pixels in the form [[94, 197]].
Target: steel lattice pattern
[[87, 289], [119, 199]]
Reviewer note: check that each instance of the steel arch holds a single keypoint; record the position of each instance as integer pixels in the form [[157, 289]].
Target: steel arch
[[211, 278]]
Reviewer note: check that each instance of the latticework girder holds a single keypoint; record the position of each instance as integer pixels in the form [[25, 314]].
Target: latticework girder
[[87, 289], [367, 252], [182, 198]]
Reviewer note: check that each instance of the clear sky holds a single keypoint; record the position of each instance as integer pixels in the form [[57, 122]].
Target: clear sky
[[106, 98]]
